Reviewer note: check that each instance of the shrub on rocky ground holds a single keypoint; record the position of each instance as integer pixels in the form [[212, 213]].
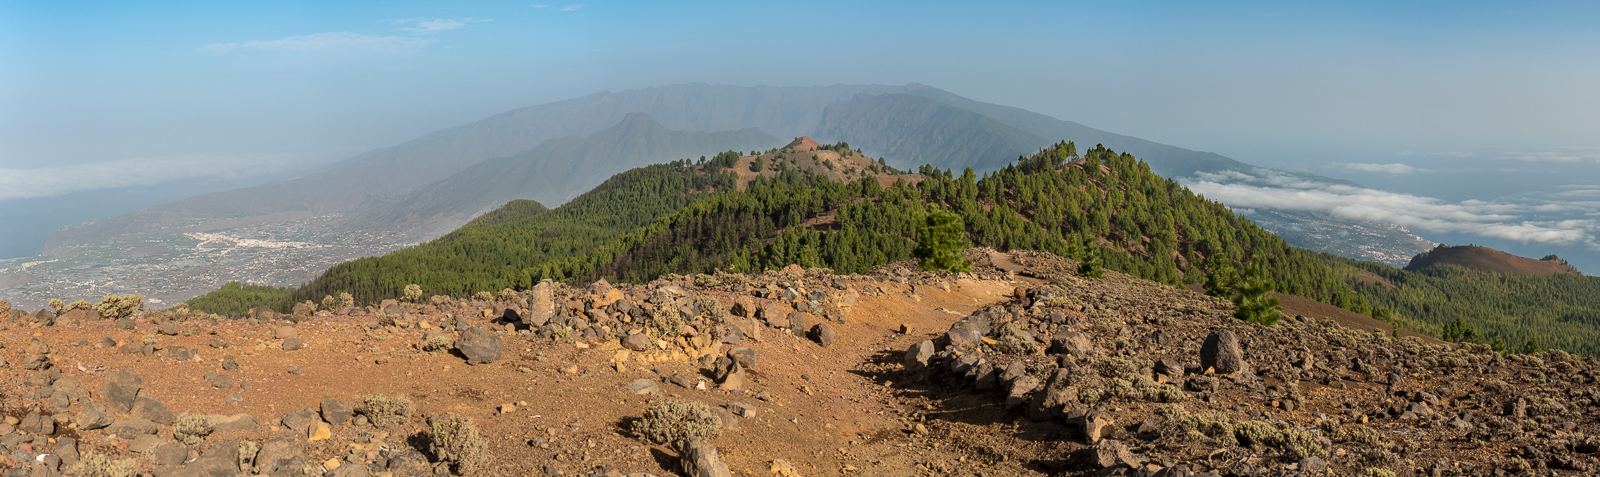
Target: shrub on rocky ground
[[454, 439], [191, 429], [671, 420], [116, 307], [385, 410], [98, 465]]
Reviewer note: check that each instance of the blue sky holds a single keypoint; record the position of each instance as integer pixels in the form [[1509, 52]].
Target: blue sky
[[206, 90]]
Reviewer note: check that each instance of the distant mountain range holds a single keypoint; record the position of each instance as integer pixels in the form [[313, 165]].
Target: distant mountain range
[[393, 197], [908, 125], [554, 172]]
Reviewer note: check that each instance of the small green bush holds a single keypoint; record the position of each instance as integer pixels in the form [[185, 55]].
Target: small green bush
[[92, 464], [1215, 426], [1294, 443], [116, 307], [454, 439], [385, 410], [671, 421], [191, 429], [247, 455]]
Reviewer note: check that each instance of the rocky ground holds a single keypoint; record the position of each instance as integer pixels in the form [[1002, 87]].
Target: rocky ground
[[1019, 368]]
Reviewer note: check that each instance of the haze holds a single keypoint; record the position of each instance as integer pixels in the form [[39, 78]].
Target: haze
[[1462, 104]]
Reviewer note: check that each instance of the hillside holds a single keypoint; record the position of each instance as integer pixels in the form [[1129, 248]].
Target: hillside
[[1488, 259], [552, 173], [1464, 294], [831, 207], [506, 252], [895, 373]]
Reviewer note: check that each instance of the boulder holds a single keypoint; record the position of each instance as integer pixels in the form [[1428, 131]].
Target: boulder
[[336, 412], [963, 338], [1072, 343], [121, 388], [37, 424], [637, 342], [700, 460], [479, 346], [1221, 353], [541, 305], [799, 322], [746, 357], [822, 334], [146, 407], [1094, 424], [1111, 452], [131, 428], [93, 416], [774, 314], [918, 356], [1051, 401]]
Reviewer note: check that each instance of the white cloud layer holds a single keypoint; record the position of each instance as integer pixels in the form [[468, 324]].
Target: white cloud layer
[[1396, 168], [342, 41], [351, 42], [1552, 156], [53, 181], [1274, 190], [436, 25]]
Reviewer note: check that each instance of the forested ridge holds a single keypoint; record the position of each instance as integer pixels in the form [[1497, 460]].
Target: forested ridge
[[685, 217], [690, 217], [1509, 311]]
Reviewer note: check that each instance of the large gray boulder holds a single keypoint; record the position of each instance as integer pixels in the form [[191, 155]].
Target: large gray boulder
[[121, 388], [918, 355], [479, 346], [700, 459], [1221, 353]]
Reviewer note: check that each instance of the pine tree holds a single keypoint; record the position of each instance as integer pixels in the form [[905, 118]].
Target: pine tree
[[940, 241], [1086, 252], [1531, 346], [1255, 304], [1221, 279]]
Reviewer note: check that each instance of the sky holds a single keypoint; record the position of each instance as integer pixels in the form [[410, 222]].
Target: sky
[[1393, 95]]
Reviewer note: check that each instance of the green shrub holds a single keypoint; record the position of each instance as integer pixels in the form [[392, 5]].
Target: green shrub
[[454, 439], [671, 421], [1294, 443], [412, 293], [116, 307], [1215, 426], [191, 429], [92, 464], [247, 455], [385, 410]]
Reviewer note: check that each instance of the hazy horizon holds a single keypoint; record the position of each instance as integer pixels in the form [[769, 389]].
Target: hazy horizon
[[1470, 114]]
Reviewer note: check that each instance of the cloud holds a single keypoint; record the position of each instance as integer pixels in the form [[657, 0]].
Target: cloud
[[351, 42], [1395, 168], [343, 41], [1551, 156], [428, 27], [1438, 153], [573, 7], [53, 181], [1495, 219]]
